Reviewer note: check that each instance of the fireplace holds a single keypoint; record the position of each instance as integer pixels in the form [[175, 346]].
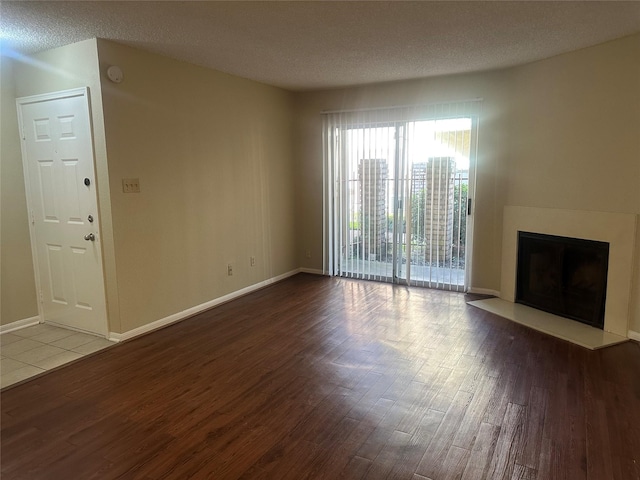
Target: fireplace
[[563, 275], [616, 229]]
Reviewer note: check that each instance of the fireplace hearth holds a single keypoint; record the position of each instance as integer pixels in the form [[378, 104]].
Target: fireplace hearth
[[562, 275]]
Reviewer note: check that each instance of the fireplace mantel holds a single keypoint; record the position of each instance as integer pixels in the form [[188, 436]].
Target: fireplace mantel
[[618, 229]]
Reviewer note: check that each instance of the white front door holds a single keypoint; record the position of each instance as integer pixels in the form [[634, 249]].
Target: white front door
[[57, 152]]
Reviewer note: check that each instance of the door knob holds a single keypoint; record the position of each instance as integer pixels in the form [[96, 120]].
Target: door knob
[[90, 237]]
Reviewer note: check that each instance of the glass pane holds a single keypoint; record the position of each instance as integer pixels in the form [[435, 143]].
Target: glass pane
[[400, 199], [438, 178], [368, 187]]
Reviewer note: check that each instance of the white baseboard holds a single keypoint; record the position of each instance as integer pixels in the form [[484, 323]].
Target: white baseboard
[[190, 312], [18, 324], [484, 291], [313, 271], [634, 335]]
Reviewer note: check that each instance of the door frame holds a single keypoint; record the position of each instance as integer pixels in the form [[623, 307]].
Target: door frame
[[38, 98], [330, 192]]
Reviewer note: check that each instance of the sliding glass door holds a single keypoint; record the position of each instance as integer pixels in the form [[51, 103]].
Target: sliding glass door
[[398, 197]]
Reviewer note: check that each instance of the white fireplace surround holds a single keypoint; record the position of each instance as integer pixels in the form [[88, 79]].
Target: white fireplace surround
[[618, 229]]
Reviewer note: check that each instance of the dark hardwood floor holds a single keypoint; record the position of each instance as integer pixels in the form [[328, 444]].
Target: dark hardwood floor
[[319, 377]]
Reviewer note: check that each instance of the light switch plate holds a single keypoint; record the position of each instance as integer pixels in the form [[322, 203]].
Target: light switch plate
[[131, 185]]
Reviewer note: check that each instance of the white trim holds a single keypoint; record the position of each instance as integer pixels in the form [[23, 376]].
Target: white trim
[[471, 195], [484, 291], [634, 335], [312, 271], [190, 312], [19, 324]]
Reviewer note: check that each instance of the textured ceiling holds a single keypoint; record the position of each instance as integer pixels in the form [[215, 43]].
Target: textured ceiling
[[311, 45]]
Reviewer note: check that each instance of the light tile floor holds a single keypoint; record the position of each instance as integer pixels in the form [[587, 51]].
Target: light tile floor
[[33, 350]]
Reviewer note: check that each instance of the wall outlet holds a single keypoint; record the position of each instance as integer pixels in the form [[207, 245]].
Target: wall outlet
[[307, 254], [252, 261], [131, 185], [229, 269]]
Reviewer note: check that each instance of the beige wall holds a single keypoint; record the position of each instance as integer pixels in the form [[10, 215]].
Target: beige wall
[[579, 118], [225, 174], [576, 137], [214, 157], [18, 293], [562, 133], [493, 87]]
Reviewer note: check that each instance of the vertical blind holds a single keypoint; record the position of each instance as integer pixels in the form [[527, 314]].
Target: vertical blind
[[397, 185]]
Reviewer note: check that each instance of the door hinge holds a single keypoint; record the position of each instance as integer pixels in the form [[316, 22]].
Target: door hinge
[[468, 206], [41, 297], [33, 218]]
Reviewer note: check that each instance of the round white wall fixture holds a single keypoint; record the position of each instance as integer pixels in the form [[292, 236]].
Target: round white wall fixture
[[115, 74]]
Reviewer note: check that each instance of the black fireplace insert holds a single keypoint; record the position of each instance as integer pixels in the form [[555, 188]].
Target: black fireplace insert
[[564, 276]]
